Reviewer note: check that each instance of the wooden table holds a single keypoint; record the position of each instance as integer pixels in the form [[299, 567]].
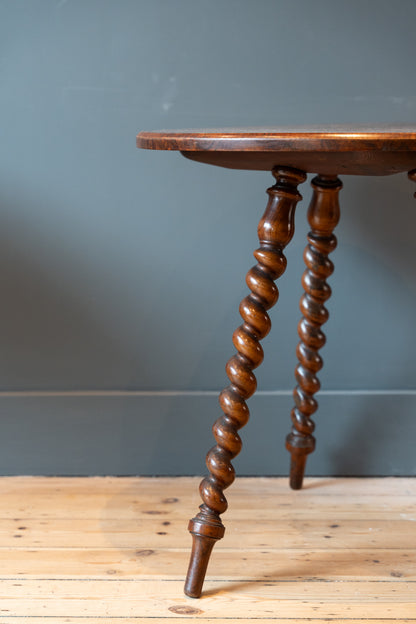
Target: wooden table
[[289, 153]]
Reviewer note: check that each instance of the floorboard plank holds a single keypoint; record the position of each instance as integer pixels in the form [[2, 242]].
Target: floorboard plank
[[101, 533], [115, 550]]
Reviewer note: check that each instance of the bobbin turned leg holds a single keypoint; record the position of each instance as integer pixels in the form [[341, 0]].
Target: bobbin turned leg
[[323, 216], [275, 230]]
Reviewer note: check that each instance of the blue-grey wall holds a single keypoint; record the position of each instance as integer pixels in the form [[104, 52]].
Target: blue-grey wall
[[121, 270]]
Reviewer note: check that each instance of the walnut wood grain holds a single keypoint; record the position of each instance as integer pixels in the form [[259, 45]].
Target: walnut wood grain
[[331, 150], [323, 216], [275, 230], [335, 138]]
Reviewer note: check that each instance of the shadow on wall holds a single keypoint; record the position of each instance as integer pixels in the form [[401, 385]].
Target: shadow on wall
[[376, 437], [370, 332], [372, 433]]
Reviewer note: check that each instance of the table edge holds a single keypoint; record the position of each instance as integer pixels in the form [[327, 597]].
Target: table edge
[[272, 142]]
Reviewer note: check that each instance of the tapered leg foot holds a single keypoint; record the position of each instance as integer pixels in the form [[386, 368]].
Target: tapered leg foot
[[206, 528], [323, 216], [299, 448], [297, 469], [275, 230], [201, 552]]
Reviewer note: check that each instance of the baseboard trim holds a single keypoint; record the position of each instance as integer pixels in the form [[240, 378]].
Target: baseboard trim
[[359, 433], [188, 393]]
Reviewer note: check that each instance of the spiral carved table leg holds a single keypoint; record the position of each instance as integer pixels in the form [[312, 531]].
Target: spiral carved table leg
[[323, 216], [275, 230]]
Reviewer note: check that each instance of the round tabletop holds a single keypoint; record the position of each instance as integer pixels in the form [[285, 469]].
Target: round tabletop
[[334, 149]]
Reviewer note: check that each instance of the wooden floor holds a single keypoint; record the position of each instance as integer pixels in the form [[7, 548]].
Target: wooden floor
[[94, 550]]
